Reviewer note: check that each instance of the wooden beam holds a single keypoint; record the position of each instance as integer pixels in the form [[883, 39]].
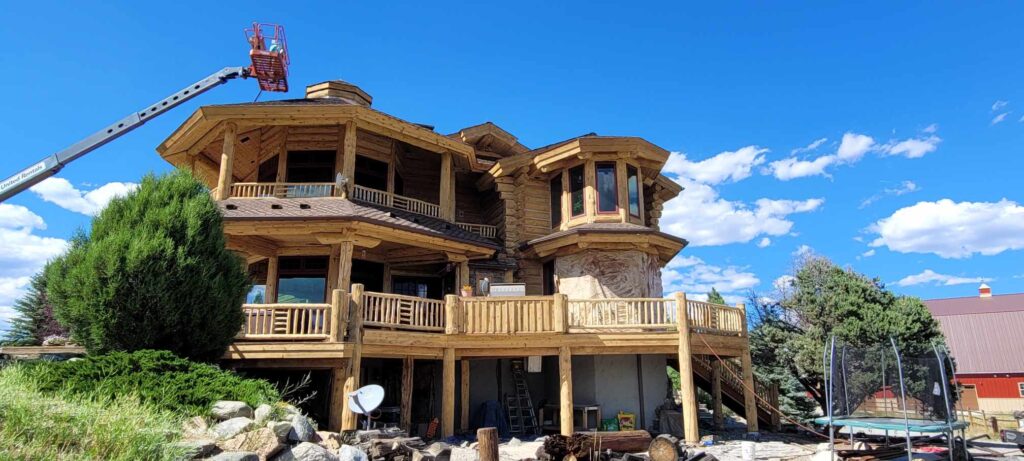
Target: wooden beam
[[464, 274], [338, 398], [345, 265], [227, 158], [749, 398], [271, 295], [565, 390], [349, 156], [716, 394], [448, 394], [464, 395], [406, 409], [447, 193], [349, 420], [688, 393]]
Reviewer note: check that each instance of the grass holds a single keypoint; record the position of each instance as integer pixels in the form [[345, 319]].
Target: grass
[[60, 425]]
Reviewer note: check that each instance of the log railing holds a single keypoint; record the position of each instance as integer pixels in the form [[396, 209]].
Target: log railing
[[388, 199], [508, 315], [282, 189], [714, 318], [622, 313], [482, 230], [402, 312], [286, 321], [732, 372]]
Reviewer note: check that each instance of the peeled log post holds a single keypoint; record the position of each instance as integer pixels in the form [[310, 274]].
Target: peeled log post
[[487, 443], [664, 448]]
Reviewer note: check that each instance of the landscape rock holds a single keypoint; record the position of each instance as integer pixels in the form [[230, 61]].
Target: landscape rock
[[302, 430], [262, 441], [330, 440], [232, 427], [281, 429], [286, 410], [196, 448], [350, 453], [235, 456], [227, 409], [195, 426], [464, 454], [262, 413], [306, 451]]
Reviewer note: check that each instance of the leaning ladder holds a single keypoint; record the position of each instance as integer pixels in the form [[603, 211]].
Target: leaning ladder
[[521, 416]]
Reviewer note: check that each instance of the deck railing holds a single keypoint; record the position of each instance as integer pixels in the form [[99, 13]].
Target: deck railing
[[622, 313], [402, 312], [388, 199], [282, 189], [482, 230], [714, 318], [508, 315], [286, 321]]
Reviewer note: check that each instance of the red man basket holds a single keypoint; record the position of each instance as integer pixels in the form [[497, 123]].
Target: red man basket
[[269, 54]]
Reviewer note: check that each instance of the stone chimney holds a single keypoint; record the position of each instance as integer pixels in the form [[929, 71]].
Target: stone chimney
[[339, 89], [984, 291]]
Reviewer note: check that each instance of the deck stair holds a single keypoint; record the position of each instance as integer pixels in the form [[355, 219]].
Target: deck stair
[[522, 419], [732, 388]]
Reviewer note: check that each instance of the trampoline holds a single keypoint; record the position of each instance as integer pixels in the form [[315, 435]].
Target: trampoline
[[888, 391]]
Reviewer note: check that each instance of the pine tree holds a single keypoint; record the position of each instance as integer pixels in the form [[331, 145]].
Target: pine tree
[[35, 320], [715, 297]]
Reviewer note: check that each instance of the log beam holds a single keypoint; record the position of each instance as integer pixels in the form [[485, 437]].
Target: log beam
[[688, 392], [565, 390], [406, 408], [271, 295], [338, 398], [448, 396], [749, 398], [349, 421], [348, 154], [464, 395], [716, 394], [227, 158]]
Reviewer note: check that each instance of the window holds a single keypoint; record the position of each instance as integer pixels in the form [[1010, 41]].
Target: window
[[556, 201], [371, 173], [607, 195], [576, 183], [310, 166], [1020, 389], [633, 190], [302, 280]]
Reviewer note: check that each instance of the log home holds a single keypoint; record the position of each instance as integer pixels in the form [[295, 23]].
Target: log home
[[378, 247]]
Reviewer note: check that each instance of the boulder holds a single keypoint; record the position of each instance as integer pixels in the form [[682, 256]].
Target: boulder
[[302, 430], [227, 409], [263, 413], [330, 440], [306, 451], [195, 448], [350, 453], [262, 441], [235, 456], [286, 410], [281, 429], [232, 427], [195, 426]]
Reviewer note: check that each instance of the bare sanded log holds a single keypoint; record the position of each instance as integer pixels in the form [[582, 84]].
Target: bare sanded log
[[623, 441], [664, 448], [487, 443]]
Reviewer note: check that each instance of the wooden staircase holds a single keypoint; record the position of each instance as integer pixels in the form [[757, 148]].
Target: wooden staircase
[[732, 389]]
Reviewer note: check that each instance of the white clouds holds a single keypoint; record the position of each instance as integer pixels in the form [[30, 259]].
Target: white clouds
[[810, 147], [868, 254], [22, 253], [912, 148], [999, 105], [792, 167], [905, 187], [701, 216], [65, 195], [803, 251], [764, 242], [692, 275], [931, 128], [999, 118], [734, 166], [852, 148], [931, 277], [953, 229]]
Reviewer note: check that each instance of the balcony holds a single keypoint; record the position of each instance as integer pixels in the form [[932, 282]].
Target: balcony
[[359, 194]]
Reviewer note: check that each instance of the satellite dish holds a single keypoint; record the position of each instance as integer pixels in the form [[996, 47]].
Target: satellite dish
[[366, 399]]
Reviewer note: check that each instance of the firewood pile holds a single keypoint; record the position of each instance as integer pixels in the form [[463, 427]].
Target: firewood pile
[[597, 446], [396, 445]]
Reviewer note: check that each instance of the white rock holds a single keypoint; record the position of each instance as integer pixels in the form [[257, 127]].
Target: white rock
[[306, 451], [262, 413], [280, 428], [302, 430], [464, 454], [232, 427], [227, 409], [287, 410], [350, 453]]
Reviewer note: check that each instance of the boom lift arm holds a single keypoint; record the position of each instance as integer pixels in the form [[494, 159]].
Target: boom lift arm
[[49, 166]]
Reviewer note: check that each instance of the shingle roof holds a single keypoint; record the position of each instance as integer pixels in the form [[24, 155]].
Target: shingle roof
[[984, 334], [338, 208]]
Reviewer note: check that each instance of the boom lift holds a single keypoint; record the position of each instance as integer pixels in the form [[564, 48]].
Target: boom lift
[[269, 55]]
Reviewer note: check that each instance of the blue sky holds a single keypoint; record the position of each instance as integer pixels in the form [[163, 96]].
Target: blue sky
[[916, 177]]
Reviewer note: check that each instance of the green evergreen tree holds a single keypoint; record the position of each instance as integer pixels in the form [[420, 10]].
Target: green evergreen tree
[[153, 274], [715, 297], [34, 320]]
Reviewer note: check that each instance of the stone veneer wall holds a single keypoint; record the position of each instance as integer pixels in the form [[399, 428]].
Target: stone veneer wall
[[609, 274]]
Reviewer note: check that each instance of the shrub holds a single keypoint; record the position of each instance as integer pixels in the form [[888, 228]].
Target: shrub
[[156, 377], [34, 425], [152, 274]]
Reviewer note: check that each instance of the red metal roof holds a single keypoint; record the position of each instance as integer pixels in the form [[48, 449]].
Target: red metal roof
[[985, 335]]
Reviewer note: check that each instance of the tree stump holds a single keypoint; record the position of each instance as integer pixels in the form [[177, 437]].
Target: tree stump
[[664, 448], [487, 443]]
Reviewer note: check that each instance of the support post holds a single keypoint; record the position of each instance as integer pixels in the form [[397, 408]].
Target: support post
[[451, 314], [463, 273], [387, 278], [339, 315], [749, 397], [345, 264], [406, 409], [349, 420], [271, 295], [464, 395], [565, 415], [447, 193], [688, 393], [227, 159], [716, 394], [338, 398], [348, 157], [448, 395], [560, 306]]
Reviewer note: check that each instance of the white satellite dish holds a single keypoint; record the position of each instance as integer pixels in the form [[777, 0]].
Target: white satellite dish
[[366, 399]]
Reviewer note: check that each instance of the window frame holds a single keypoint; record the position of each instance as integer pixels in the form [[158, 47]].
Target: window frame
[[1020, 388], [555, 201], [582, 191], [597, 187], [635, 176]]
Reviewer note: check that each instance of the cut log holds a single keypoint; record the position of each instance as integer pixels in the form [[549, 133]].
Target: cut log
[[580, 445], [622, 441], [664, 448], [555, 448], [487, 437]]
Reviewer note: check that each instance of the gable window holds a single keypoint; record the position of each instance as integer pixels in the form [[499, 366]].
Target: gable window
[[556, 201], [607, 193], [576, 183], [1020, 389], [633, 190]]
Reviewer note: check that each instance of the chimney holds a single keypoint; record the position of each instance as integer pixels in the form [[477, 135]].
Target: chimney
[[984, 291], [339, 89]]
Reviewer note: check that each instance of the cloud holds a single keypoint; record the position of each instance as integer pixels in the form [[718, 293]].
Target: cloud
[[852, 148], [999, 118], [63, 194], [868, 254], [22, 253], [802, 251], [701, 216], [905, 187], [999, 105], [913, 147], [764, 242], [810, 147], [933, 278], [931, 128], [734, 166], [952, 229], [694, 277]]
